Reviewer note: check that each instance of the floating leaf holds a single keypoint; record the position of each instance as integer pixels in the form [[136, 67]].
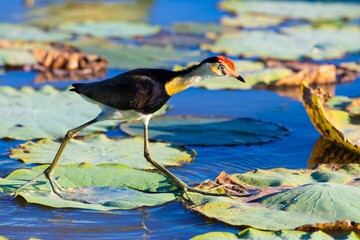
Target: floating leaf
[[251, 233], [215, 236], [45, 113], [131, 56], [98, 148], [196, 130], [16, 57], [104, 187], [55, 14], [312, 11], [28, 113], [27, 33], [110, 29], [200, 28], [294, 43], [252, 20], [334, 125], [286, 199]]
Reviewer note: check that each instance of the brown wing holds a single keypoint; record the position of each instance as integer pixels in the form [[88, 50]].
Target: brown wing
[[141, 89]]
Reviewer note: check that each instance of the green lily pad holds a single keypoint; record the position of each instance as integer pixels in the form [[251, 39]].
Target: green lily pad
[[200, 28], [110, 29], [294, 43], [16, 57], [237, 213], [252, 21], [282, 177], [99, 148], [104, 187], [251, 233], [45, 113], [30, 33], [332, 201], [131, 56], [312, 11], [286, 199], [196, 130], [55, 14], [216, 236]]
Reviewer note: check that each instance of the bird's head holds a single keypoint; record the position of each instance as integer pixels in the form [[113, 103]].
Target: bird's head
[[221, 66]]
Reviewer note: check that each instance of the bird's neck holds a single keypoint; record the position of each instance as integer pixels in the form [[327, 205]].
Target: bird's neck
[[186, 78]]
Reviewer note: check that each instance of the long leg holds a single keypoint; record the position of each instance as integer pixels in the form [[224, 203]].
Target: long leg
[[178, 182], [48, 172]]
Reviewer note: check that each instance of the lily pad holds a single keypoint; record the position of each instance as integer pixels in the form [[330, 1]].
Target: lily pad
[[252, 21], [16, 57], [333, 124], [110, 29], [98, 148], [55, 14], [312, 11], [103, 187], [206, 130], [294, 43], [45, 113], [286, 199], [197, 28], [30, 33], [251, 233], [131, 56]]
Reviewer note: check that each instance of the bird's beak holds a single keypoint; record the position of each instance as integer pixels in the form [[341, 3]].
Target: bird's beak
[[240, 78], [237, 76]]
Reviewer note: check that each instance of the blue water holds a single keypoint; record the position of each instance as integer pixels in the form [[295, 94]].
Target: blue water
[[20, 220]]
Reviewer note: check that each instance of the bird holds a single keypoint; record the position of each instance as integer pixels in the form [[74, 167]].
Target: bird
[[136, 95]]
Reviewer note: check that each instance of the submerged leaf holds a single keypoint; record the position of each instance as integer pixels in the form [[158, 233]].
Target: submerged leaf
[[104, 187], [196, 130], [131, 56], [110, 29], [333, 124], [98, 148], [27, 33]]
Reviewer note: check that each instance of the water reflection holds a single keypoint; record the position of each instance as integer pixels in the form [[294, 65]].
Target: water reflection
[[325, 151]]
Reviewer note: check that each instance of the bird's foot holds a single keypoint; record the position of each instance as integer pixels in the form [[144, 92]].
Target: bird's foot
[[56, 188]]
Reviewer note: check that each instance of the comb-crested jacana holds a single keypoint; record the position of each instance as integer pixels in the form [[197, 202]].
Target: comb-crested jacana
[[137, 94]]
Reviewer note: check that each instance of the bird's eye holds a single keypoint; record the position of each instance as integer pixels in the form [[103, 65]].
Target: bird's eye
[[221, 68]]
